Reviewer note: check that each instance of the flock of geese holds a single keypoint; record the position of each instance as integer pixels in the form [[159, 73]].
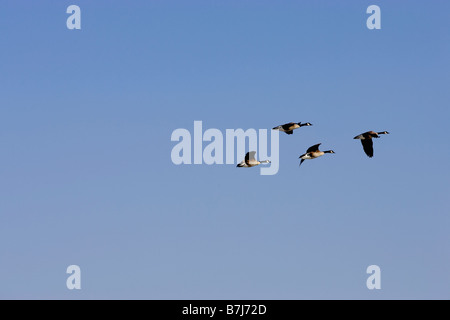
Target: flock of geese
[[313, 152]]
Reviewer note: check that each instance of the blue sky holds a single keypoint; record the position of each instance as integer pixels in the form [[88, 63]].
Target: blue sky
[[86, 175]]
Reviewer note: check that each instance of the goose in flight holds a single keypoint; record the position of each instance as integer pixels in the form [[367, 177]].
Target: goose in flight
[[367, 142], [313, 153], [289, 127], [250, 160]]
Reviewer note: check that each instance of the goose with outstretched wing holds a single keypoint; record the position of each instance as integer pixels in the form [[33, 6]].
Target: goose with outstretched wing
[[313, 152]]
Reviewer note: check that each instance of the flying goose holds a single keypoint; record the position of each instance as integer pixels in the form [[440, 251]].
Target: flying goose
[[366, 140], [250, 160], [289, 127], [313, 152]]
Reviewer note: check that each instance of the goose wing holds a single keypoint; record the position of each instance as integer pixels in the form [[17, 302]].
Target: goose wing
[[313, 148], [250, 157], [301, 162], [287, 126], [368, 147]]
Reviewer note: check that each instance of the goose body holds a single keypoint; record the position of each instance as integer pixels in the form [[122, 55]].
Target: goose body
[[367, 142], [313, 153], [250, 161], [289, 128]]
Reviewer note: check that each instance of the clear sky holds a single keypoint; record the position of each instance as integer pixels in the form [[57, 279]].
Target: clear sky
[[86, 176]]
